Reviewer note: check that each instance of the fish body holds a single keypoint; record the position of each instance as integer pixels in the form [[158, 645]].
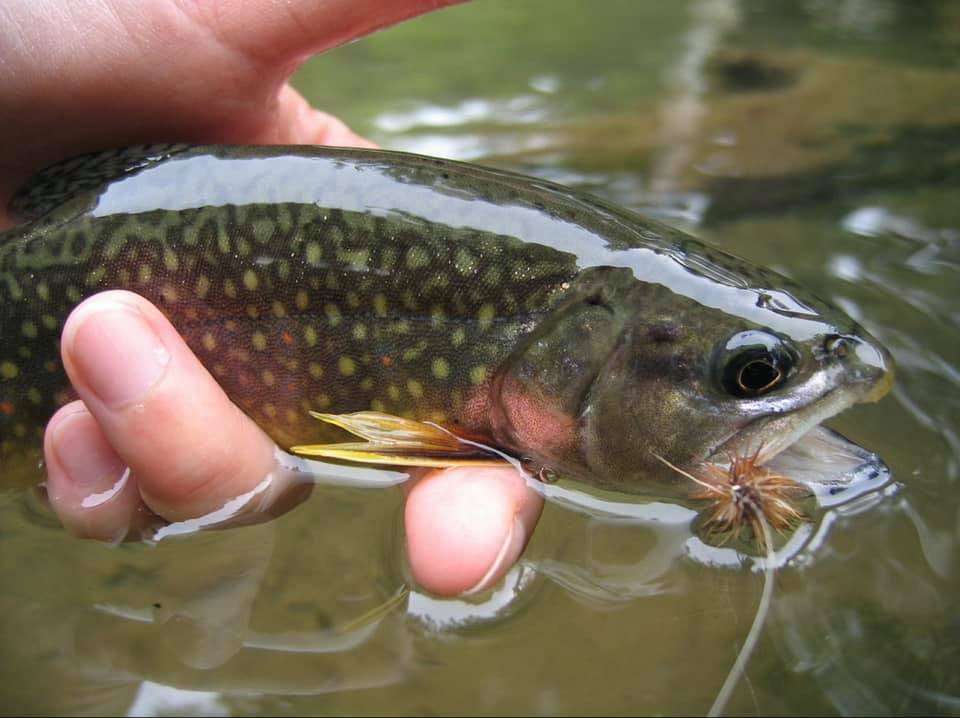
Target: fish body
[[538, 319]]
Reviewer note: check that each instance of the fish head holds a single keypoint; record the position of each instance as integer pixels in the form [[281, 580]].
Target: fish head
[[698, 369]]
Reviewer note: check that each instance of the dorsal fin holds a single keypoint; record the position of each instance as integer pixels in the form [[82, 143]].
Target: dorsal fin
[[53, 186]]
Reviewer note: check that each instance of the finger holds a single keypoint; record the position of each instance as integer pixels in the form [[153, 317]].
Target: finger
[[88, 484], [284, 34], [190, 448], [466, 527], [298, 123]]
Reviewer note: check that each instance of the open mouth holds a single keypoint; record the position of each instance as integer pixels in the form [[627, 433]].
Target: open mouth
[[798, 447]]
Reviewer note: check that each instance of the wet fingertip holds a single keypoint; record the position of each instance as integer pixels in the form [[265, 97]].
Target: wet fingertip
[[513, 545], [88, 485], [464, 530]]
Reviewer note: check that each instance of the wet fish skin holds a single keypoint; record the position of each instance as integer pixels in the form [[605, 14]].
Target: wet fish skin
[[537, 318]]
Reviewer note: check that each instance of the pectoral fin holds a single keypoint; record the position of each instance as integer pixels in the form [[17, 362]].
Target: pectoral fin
[[390, 439]]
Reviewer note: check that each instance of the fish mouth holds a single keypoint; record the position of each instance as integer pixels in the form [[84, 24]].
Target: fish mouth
[[797, 446], [770, 435]]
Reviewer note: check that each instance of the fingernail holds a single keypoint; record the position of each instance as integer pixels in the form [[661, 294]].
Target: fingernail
[[89, 462], [117, 352]]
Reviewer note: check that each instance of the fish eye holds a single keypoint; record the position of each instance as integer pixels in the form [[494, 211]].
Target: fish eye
[[754, 363]]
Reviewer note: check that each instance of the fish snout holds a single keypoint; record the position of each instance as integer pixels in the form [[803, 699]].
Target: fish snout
[[870, 365]]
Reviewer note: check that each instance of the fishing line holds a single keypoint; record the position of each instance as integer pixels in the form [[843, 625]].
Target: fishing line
[[763, 608], [753, 635]]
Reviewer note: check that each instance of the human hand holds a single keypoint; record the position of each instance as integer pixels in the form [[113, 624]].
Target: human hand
[[129, 73]]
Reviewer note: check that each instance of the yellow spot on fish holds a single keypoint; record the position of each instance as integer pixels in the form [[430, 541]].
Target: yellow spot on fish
[[380, 305], [169, 294], [229, 288], [20, 431], [440, 368], [485, 315], [34, 395], [358, 258], [367, 383], [458, 336], [262, 229], [347, 366], [413, 353], [223, 243], [29, 330], [270, 410], [415, 388], [359, 332], [250, 280], [43, 291], [278, 309], [8, 370], [219, 369], [252, 311], [310, 334], [231, 325], [291, 416], [394, 391], [492, 276], [114, 245], [377, 405], [144, 273], [268, 378], [203, 286], [209, 342], [93, 279], [478, 375], [465, 262], [170, 260], [73, 294], [259, 341], [316, 371], [314, 253], [437, 314], [417, 257], [333, 314], [322, 400], [302, 300], [438, 416], [243, 247], [192, 314], [49, 321]]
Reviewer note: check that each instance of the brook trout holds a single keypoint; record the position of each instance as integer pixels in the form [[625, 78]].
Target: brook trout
[[540, 320]]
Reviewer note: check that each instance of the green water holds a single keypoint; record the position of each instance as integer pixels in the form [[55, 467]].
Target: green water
[[817, 137]]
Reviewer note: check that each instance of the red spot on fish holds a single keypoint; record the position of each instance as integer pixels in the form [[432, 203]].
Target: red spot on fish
[[244, 379], [292, 386], [387, 361], [287, 338], [6, 408], [50, 366]]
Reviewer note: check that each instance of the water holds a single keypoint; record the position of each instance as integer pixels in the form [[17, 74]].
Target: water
[[818, 137]]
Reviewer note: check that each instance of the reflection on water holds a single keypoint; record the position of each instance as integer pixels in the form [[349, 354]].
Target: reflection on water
[[816, 137]]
